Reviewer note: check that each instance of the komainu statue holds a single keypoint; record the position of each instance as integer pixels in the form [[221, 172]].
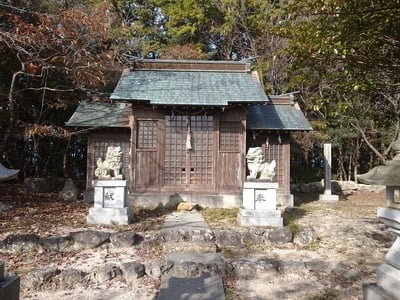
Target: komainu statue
[[258, 167], [110, 168]]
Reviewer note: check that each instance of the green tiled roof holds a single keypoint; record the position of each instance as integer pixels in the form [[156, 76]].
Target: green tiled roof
[[189, 87], [276, 117], [100, 114]]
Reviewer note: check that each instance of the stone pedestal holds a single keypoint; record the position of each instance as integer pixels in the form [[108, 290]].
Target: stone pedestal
[[259, 205], [110, 203], [9, 285], [388, 273]]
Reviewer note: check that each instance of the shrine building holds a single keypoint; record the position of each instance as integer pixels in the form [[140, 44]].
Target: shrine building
[[184, 128]]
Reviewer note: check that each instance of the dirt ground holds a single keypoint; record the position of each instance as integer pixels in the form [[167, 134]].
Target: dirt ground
[[350, 243]]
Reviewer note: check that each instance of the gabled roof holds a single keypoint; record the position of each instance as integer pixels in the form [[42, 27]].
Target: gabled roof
[[277, 116], [204, 83], [100, 114]]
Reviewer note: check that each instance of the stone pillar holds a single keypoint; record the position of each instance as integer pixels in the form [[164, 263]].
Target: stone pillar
[[110, 203], [327, 195], [9, 285], [259, 205], [388, 273]]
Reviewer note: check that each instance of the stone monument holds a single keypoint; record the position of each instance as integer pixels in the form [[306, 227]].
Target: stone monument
[[259, 192], [327, 195], [388, 273], [110, 191]]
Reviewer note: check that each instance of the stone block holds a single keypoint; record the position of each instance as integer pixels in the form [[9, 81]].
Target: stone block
[[393, 256], [265, 217], [110, 203], [328, 197], [389, 279], [371, 291]]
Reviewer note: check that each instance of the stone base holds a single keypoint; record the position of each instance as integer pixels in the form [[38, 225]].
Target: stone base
[[328, 197], [9, 285], [109, 216], [260, 217], [371, 291]]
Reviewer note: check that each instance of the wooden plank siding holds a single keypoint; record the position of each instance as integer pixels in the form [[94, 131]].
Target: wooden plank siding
[[97, 148]]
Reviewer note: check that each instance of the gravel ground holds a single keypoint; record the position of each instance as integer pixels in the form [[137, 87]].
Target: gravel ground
[[350, 243]]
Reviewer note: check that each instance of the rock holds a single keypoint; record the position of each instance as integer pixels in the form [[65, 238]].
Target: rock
[[89, 239], [247, 268], [228, 238], [107, 272], [158, 268], [88, 195], [38, 277], [124, 239], [244, 268], [187, 269], [70, 191], [305, 237], [55, 243], [133, 271], [186, 206], [280, 235], [20, 242], [71, 277], [353, 274], [4, 207]]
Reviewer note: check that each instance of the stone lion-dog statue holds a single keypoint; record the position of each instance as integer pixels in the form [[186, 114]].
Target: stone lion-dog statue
[[110, 168], [258, 167]]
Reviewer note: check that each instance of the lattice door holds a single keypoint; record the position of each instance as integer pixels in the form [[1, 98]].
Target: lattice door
[[201, 155], [183, 166]]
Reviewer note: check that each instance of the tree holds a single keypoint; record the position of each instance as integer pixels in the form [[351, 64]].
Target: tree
[[346, 64], [53, 57]]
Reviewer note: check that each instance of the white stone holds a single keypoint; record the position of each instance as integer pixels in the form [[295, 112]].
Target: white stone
[[259, 205], [110, 203]]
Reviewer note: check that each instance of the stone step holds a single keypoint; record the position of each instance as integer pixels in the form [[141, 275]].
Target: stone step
[[189, 246], [196, 288]]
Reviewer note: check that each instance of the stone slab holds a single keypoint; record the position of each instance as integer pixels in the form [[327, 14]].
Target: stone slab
[[108, 220], [371, 291], [393, 255], [196, 257], [260, 213], [190, 246], [260, 185], [390, 216], [190, 220], [109, 211], [328, 197], [264, 218], [109, 183], [389, 279], [9, 288], [196, 288]]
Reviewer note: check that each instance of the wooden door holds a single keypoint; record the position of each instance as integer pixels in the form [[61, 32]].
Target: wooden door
[[188, 158]]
